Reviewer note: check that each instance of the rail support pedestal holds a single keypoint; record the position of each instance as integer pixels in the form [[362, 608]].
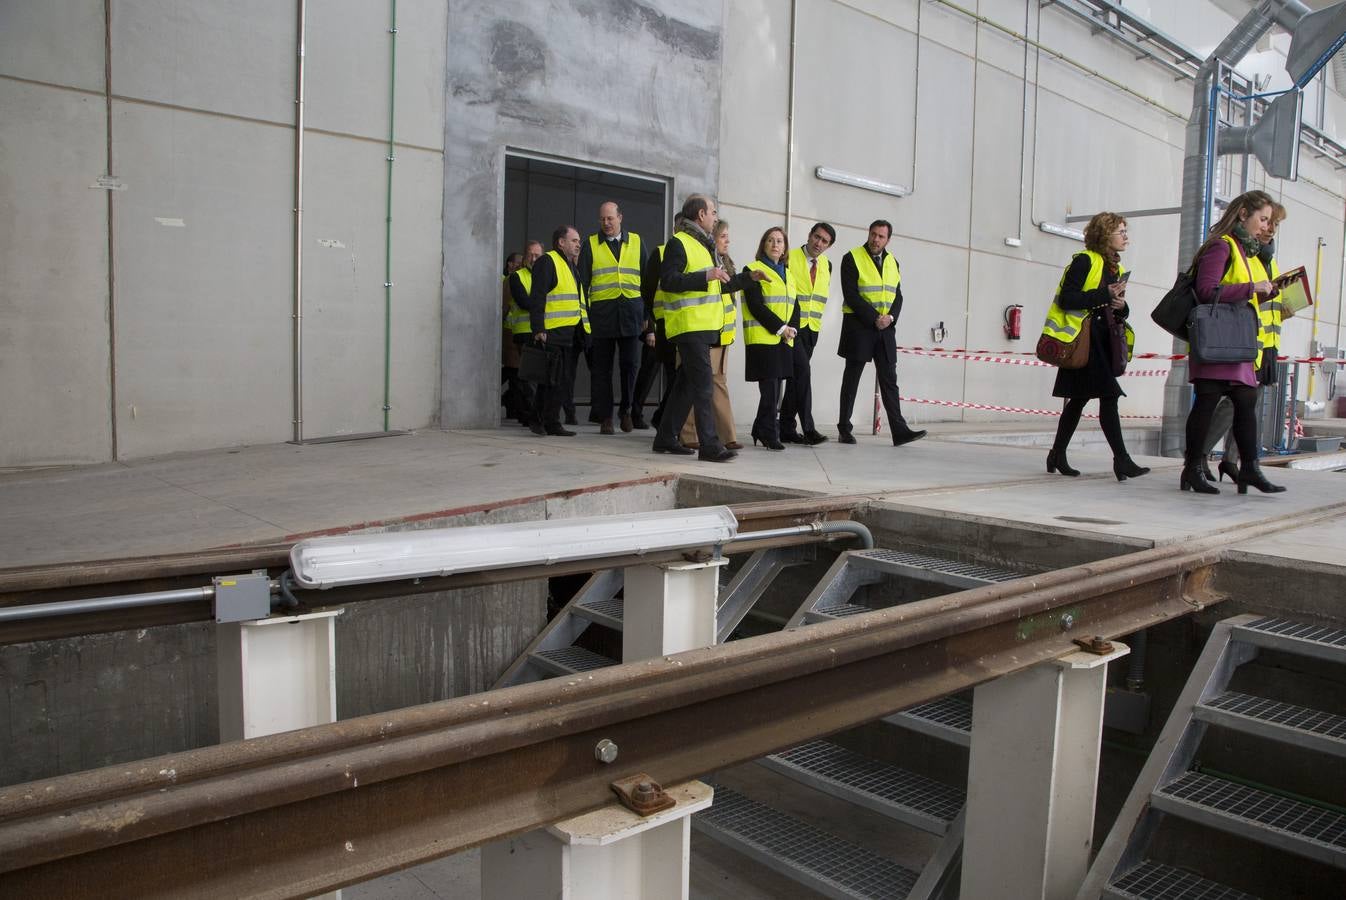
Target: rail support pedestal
[[613, 852], [1032, 778]]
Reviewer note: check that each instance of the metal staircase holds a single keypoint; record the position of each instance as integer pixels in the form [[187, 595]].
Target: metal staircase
[[811, 856], [1167, 786]]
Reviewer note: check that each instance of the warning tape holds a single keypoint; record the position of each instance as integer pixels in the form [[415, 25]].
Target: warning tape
[[965, 353], [962, 404], [980, 357]]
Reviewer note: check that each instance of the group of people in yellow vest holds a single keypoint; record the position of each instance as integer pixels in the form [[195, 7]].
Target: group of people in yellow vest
[[1236, 264], [676, 306]]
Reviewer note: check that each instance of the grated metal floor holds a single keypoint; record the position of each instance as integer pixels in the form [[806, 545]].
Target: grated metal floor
[[838, 611], [613, 609], [1156, 881], [1313, 634], [799, 851], [943, 566], [575, 659], [1286, 715], [1261, 811]]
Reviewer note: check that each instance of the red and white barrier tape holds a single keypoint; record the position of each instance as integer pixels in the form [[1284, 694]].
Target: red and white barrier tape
[[963, 352], [961, 404], [980, 357]]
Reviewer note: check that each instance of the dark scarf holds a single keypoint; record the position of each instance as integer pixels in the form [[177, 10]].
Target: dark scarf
[[1251, 245]]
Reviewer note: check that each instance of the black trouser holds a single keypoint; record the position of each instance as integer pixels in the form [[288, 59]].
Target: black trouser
[[850, 384], [580, 348], [1107, 417], [764, 426], [649, 369], [691, 390], [626, 350], [548, 398], [1208, 394], [798, 399]]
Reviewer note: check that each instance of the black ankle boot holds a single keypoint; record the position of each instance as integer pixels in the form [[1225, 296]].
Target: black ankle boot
[[1193, 479], [1056, 461], [1124, 467], [1251, 474]]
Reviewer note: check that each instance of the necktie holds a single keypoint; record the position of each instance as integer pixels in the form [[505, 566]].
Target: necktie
[[813, 271]]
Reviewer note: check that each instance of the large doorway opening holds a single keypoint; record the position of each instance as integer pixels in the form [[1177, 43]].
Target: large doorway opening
[[542, 193]]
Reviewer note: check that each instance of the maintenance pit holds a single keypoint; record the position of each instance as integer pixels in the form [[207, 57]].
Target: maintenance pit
[[79, 702]]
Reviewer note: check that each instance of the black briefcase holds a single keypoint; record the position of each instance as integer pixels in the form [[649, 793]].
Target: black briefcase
[[540, 365]]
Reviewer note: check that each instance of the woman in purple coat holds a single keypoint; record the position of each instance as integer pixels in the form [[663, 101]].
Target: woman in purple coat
[[1223, 274]]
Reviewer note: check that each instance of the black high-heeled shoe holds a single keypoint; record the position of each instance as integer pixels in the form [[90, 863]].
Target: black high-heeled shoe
[[1205, 469], [1252, 476], [1125, 467], [767, 441], [1056, 461], [1227, 467], [1193, 479]]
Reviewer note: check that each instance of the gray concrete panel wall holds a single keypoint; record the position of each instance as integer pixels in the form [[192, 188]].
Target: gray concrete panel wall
[[617, 83]]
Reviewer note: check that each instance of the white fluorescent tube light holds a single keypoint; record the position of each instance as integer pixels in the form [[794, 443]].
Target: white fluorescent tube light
[[860, 181], [327, 562], [1062, 231]]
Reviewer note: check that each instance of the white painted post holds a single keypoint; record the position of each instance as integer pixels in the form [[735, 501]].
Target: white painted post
[[1032, 779], [613, 853]]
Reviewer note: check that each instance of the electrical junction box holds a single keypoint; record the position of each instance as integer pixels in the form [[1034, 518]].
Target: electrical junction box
[[242, 598]]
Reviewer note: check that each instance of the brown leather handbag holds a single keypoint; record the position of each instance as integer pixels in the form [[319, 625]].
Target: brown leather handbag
[[1074, 355]]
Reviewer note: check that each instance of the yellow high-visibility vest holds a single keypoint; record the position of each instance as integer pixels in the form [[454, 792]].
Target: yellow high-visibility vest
[[730, 319], [563, 301], [1239, 271], [1065, 324], [878, 289], [779, 295], [697, 310], [812, 300], [516, 320], [660, 295], [611, 277], [1269, 311]]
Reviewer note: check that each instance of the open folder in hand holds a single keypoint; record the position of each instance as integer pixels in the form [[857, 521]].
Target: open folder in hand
[[1295, 293]]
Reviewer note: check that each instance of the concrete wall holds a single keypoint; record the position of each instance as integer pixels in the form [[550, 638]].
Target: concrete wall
[[994, 137], [627, 84], [196, 295]]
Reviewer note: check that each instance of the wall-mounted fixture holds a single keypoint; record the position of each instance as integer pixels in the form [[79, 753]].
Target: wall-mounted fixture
[[1062, 231], [860, 181]]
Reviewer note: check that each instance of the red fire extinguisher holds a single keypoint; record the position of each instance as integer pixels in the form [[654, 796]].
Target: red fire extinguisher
[[1014, 319]]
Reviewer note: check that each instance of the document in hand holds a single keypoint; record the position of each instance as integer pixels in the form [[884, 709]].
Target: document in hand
[[1295, 293]]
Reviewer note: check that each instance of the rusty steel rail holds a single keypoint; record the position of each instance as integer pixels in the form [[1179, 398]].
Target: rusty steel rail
[[298, 813], [58, 582]]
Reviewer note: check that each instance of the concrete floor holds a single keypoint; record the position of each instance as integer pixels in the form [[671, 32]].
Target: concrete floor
[[278, 492]]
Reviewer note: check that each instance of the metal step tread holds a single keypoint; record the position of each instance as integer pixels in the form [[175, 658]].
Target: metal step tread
[[1290, 635], [1296, 720], [1260, 814], [888, 789], [948, 718], [940, 565], [1155, 881], [605, 612], [569, 660], [836, 611], [800, 851]]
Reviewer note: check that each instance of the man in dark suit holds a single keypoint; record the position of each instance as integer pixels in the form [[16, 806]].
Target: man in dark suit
[[871, 288]]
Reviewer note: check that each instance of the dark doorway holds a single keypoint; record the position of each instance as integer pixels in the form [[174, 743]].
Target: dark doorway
[[541, 194]]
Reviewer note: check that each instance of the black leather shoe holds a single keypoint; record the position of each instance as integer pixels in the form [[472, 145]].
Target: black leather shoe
[[813, 438], [606, 427], [1125, 467], [846, 437], [570, 418], [627, 422], [792, 437], [675, 448], [536, 427], [558, 431], [724, 454], [899, 440], [1056, 462], [1252, 476], [639, 424], [1193, 479]]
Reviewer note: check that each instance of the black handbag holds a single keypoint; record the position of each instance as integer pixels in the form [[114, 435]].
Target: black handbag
[[1223, 332], [540, 365], [1175, 308]]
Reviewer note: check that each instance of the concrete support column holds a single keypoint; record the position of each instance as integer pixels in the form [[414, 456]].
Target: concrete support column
[[1032, 779], [613, 853]]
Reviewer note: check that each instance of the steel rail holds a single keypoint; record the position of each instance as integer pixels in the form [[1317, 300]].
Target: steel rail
[[295, 814]]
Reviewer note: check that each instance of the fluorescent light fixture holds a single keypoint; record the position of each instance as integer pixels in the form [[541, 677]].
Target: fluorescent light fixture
[[1062, 231], [860, 181], [393, 556]]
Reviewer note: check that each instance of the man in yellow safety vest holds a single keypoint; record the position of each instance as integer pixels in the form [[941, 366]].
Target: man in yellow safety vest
[[554, 306]]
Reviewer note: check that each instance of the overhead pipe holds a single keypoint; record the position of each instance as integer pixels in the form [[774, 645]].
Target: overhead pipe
[[298, 314], [388, 228], [790, 118]]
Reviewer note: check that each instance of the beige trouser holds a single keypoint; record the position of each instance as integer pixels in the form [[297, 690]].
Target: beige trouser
[[719, 398]]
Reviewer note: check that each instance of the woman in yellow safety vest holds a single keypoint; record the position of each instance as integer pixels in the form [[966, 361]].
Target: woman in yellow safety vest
[[770, 323], [719, 356], [1225, 274], [1092, 289]]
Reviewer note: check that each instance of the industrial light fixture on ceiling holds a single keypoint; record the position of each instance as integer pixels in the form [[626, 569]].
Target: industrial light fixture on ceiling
[[327, 562], [860, 181], [1062, 231]]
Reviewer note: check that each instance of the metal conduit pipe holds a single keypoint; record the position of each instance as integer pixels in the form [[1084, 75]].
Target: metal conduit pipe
[[103, 604], [298, 315], [388, 228], [819, 528], [1197, 168], [1135, 667]]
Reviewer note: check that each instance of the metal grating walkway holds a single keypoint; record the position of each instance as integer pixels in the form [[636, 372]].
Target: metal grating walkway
[[1258, 815], [892, 791], [824, 862], [569, 660], [1156, 881], [1297, 637], [948, 719], [936, 565], [612, 609], [837, 611], [1298, 724]]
